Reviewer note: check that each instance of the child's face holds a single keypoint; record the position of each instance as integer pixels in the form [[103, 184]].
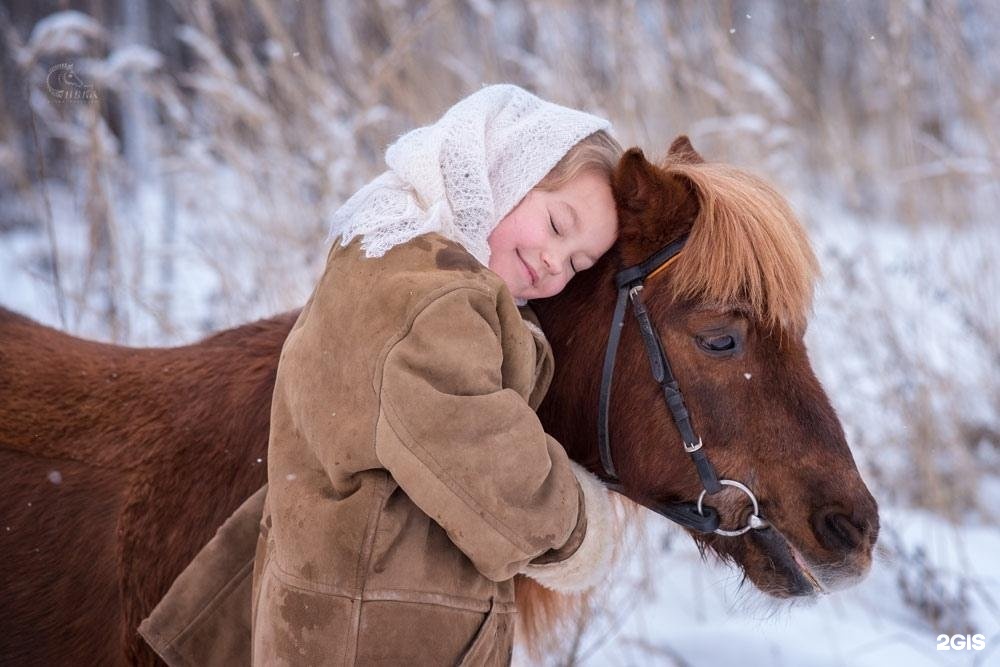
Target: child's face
[[550, 236]]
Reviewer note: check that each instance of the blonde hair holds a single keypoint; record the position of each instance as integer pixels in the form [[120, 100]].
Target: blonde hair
[[598, 152]]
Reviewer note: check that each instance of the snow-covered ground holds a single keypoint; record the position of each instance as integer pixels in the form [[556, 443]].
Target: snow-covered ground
[[671, 608]]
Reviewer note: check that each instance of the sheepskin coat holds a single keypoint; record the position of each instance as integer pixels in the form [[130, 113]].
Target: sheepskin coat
[[409, 479]]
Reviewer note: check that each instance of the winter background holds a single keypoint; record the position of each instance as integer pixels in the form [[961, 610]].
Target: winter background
[[187, 191]]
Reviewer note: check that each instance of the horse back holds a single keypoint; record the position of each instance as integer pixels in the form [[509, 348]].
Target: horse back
[[119, 464]]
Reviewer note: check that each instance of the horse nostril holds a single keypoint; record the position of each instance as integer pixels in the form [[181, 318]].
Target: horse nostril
[[835, 530]]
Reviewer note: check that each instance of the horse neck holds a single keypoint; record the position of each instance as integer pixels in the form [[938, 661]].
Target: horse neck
[[576, 323]]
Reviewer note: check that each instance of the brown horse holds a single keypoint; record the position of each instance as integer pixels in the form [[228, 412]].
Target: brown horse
[[120, 463]]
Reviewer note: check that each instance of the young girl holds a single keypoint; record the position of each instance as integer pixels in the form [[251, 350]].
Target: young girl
[[409, 478]]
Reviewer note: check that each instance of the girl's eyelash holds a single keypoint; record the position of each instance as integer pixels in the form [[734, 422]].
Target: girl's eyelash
[[553, 225]]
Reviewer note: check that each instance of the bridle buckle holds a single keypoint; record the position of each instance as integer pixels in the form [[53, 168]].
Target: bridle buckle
[[691, 449]]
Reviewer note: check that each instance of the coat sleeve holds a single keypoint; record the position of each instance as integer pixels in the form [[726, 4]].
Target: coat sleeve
[[469, 452]]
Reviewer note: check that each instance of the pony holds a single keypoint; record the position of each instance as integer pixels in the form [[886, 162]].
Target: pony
[[120, 463]]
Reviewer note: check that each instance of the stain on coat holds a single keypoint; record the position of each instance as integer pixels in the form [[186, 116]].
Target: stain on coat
[[300, 636], [456, 258]]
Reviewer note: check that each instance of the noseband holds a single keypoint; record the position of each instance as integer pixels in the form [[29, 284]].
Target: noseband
[[696, 516]]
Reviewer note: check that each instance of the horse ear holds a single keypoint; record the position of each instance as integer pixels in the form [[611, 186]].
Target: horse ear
[[634, 181], [681, 150], [655, 205]]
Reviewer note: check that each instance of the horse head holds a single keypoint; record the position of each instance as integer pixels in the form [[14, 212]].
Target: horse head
[[731, 313]]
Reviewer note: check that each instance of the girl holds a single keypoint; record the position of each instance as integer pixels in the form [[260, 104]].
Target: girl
[[409, 478]]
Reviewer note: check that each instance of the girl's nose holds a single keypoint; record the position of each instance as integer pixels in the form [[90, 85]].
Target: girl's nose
[[553, 267]]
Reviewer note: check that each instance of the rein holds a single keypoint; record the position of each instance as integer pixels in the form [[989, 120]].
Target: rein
[[694, 515]]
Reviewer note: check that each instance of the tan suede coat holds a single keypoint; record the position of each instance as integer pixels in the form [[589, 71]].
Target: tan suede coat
[[409, 479]]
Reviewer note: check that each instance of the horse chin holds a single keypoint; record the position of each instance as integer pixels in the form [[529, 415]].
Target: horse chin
[[781, 569]]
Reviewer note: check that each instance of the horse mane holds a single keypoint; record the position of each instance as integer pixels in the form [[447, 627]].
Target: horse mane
[[746, 247]]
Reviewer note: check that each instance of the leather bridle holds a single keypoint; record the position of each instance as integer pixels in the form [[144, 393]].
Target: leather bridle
[[694, 515]]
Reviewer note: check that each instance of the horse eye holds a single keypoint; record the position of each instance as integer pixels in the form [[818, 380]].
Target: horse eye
[[717, 343]]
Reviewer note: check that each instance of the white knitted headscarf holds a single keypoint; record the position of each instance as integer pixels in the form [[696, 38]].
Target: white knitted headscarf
[[460, 176]]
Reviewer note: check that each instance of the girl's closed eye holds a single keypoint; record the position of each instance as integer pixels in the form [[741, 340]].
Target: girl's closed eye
[[558, 233]]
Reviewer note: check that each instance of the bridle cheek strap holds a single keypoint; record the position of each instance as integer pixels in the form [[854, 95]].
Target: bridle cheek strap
[[629, 283], [607, 374], [664, 376]]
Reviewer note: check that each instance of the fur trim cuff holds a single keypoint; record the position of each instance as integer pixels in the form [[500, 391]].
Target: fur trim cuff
[[591, 562]]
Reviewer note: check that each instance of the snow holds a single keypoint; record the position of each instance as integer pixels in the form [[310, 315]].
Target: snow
[[64, 32], [670, 607], [122, 61]]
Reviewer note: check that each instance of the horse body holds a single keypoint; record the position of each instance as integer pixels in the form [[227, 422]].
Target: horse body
[[121, 463]]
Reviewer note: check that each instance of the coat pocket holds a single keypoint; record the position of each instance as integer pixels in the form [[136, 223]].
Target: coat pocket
[[427, 634], [494, 643]]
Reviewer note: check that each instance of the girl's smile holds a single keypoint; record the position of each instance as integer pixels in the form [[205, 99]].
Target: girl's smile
[[532, 275]]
